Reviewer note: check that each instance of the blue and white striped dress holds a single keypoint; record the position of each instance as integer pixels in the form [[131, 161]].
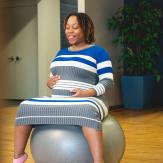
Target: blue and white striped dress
[[84, 69]]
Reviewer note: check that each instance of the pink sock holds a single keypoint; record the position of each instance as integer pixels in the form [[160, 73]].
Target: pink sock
[[21, 159]]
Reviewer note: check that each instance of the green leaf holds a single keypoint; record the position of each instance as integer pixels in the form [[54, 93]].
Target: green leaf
[[137, 31]]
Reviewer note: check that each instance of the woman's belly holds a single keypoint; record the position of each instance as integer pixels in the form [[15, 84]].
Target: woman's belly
[[66, 87]]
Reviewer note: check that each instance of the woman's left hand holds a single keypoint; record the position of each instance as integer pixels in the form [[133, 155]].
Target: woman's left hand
[[83, 93]]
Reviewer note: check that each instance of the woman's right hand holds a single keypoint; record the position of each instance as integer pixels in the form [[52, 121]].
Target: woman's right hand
[[52, 81]]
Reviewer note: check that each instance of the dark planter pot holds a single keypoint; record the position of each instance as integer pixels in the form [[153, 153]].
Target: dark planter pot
[[137, 91], [158, 90]]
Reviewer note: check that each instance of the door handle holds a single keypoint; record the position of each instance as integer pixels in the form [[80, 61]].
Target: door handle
[[11, 59], [17, 58], [14, 59]]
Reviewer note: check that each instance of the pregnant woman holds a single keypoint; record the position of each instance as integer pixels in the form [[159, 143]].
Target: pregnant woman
[[80, 75]]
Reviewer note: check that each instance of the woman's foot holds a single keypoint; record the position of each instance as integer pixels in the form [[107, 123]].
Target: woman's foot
[[21, 159]]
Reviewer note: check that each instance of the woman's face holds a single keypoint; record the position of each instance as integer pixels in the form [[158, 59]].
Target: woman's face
[[73, 31]]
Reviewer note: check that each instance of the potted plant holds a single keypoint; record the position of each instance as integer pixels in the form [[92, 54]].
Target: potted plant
[[138, 29]]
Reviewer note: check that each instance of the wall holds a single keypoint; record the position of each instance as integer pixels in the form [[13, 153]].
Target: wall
[[49, 36], [48, 39], [66, 7], [100, 11], [18, 37], [3, 33]]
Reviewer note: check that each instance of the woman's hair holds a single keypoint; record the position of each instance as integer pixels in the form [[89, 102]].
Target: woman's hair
[[86, 25]]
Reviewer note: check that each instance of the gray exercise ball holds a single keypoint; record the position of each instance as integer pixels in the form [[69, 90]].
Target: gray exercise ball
[[114, 140], [66, 144]]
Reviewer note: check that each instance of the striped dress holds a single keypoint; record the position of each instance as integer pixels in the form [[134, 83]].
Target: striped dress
[[84, 69]]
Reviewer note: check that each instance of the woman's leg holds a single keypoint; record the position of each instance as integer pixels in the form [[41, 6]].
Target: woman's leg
[[22, 134], [95, 141]]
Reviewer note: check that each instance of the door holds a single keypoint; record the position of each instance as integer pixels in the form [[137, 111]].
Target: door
[[20, 61]]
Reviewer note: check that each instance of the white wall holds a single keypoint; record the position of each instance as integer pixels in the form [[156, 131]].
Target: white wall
[[18, 37], [48, 39], [49, 36], [81, 6], [100, 11], [3, 43]]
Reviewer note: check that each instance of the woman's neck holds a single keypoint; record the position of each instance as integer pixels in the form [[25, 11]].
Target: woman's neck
[[80, 46]]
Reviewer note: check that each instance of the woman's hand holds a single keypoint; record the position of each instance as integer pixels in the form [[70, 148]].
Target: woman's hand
[[52, 81], [83, 93]]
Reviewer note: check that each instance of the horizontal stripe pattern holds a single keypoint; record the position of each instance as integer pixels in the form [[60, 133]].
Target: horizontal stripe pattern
[[94, 102], [78, 59], [94, 60], [70, 85], [58, 110], [74, 64], [100, 89], [90, 68], [104, 64], [75, 74], [89, 58], [106, 76]]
